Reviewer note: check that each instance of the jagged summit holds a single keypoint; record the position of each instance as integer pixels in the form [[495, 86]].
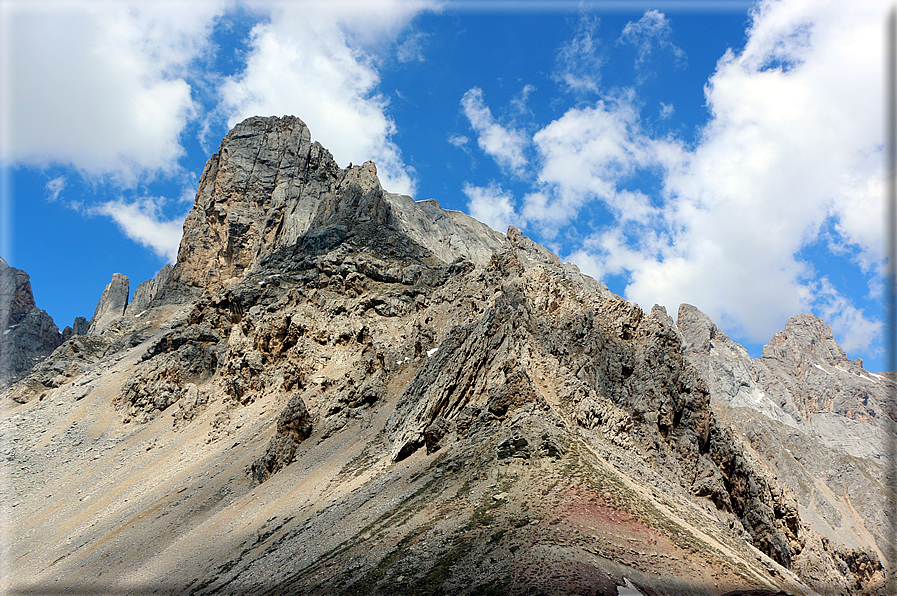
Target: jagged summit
[[805, 337], [269, 187], [27, 333]]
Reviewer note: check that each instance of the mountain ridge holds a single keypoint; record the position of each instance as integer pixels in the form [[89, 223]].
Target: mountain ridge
[[325, 396]]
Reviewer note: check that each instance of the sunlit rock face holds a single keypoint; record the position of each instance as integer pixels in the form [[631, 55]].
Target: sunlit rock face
[[339, 390]]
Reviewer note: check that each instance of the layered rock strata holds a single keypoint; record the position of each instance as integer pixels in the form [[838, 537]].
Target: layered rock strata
[[814, 417]]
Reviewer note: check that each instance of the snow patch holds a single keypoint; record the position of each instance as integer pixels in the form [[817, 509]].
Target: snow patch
[[628, 589], [825, 371], [140, 315], [431, 352]]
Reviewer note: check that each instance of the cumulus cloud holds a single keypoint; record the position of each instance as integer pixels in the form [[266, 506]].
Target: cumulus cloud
[[109, 88], [491, 205], [317, 60], [505, 145], [142, 222], [100, 86], [789, 145], [585, 155]]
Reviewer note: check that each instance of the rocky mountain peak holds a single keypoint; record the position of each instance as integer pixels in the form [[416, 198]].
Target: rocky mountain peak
[[396, 398], [112, 304], [804, 335]]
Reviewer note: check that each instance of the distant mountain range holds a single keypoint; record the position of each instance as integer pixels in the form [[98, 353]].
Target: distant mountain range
[[339, 390]]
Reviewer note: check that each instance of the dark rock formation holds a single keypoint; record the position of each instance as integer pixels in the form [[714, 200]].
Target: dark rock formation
[[27, 334], [146, 292], [79, 327], [270, 187]]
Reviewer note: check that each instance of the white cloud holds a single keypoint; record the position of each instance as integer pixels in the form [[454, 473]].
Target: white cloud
[[578, 61], [585, 155], [791, 142], [99, 86], [55, 187], [459, 141], [315, 60], [649, 32], [141, 221], [491, 205], [504, 145], [792, 147], [850, 325], [411, 49]]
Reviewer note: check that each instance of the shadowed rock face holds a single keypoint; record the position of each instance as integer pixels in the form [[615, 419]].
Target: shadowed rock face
[[341, 391]]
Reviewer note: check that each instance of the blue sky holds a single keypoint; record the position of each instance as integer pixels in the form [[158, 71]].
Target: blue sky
[[721, 153]]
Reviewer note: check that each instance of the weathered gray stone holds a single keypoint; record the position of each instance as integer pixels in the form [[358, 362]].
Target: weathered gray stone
[[270, 187], [27, 334], [112, 304], [146, 292]]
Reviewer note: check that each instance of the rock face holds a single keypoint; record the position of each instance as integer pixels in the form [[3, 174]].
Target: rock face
[[146, 292], [269, 185], [27, 334], [112, 304], [341, 391], [803, 379], [814, 417]]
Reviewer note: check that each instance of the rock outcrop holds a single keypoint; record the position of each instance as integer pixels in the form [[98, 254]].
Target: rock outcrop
[[148, 291], [340, 390], [112, 304], [79, 327], [269, 186], [27, 333]]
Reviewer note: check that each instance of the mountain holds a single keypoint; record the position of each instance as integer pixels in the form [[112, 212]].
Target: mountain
[[339, 390]]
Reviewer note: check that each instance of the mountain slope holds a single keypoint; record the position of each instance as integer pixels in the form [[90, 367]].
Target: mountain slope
[[338, 390]]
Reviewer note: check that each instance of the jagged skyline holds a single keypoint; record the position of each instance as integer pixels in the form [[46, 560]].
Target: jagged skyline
[[726, 156]]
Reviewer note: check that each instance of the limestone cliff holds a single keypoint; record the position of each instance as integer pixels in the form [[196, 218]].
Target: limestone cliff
[[270, 187], [112, 304], [803, 379]]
